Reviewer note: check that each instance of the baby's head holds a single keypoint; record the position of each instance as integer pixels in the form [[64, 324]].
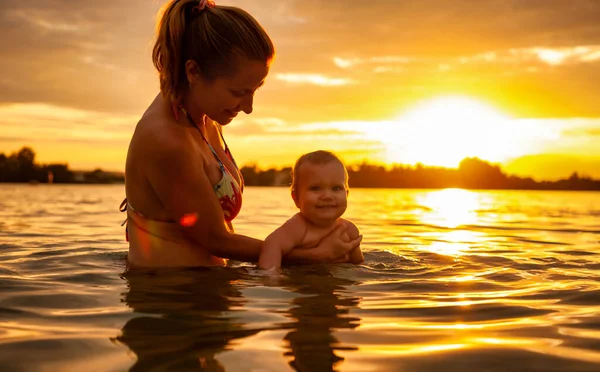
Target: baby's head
[[320, 187]]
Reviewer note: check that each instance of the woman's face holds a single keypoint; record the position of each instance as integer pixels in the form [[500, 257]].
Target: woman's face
[[222, 98]]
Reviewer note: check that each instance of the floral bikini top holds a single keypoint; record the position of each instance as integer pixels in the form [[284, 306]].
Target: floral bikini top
[[228, 191]]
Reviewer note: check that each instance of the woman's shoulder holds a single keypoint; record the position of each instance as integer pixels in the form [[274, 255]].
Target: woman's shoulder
[[159, 131], [158, 143]]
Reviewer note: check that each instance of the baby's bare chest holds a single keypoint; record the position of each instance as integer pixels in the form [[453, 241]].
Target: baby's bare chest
[[314, 235]]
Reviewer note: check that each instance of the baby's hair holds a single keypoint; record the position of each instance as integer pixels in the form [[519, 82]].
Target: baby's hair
[[316, 158], [213, 37]]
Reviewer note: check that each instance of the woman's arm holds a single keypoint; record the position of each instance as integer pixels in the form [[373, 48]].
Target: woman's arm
[[176, 172], [282, 241]]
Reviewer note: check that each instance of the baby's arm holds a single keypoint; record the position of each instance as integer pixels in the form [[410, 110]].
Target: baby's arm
[[281, 241], [356, 255]]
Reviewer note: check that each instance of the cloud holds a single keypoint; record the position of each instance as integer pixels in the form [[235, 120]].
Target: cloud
[[276, 127], [13, 139], [550, 56], [54, 123], [313, 79], [455, 27], [592, 132], [256, 126], [553, 166], [89, 55], [523, 58], [96, 55], [582, 128], [351, 62]]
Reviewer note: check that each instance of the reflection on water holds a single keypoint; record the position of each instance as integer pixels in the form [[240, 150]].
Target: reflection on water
[[322, 308], [187, 318], [455, 280], [451, 209], [184, 325]]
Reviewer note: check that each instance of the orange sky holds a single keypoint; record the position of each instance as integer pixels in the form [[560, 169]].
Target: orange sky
[[428, 81]]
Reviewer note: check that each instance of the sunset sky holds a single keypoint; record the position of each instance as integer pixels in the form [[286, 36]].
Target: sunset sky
[[430, 81]]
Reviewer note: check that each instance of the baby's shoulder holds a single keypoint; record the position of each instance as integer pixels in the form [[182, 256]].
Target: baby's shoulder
[[297, 220], [295, 225]]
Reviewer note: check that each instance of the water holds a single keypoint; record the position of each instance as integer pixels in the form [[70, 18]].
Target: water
[[454, 280]]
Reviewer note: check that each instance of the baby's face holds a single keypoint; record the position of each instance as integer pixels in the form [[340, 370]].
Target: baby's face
[[321, 192]]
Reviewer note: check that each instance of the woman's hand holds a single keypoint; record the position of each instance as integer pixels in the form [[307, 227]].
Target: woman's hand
[[336, 246]]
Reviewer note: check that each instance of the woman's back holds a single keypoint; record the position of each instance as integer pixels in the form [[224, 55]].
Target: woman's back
[[139, 191], [152, 230]]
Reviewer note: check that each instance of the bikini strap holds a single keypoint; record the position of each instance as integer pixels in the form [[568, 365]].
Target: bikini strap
[[195, 125], [123, 208], [227, 151]]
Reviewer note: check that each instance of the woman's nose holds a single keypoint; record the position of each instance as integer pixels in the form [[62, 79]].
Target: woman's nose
[[246, 104]]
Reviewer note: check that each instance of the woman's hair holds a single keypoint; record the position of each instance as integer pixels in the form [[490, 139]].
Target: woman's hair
[[213, 37], [316, 158]]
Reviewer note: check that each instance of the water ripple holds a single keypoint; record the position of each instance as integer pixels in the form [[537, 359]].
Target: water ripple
[[453, 280]]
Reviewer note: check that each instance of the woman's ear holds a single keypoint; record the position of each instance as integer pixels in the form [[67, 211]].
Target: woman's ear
[[192, 70]]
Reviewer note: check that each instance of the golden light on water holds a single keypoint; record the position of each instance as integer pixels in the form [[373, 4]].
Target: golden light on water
[[410, 349], [450, 208], [547, 346], [451, 222], [452, 247], [408, 325], [467, 342]]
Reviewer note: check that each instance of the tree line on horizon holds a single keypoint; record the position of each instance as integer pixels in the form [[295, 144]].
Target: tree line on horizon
[[20, 166], [472, 173]]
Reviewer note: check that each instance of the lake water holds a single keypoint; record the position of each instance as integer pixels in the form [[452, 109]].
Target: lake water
[[454, 281]]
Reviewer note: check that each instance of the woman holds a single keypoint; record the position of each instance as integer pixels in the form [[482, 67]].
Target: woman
[[182, 184]]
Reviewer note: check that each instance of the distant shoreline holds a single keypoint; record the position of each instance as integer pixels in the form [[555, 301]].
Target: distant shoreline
[[472, 174], [287, 187]]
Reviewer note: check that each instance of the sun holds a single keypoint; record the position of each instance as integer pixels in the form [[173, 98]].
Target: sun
[[445, 130]]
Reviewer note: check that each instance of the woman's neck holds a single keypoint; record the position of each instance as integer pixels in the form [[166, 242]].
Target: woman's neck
[[196, 114], [192, 109]]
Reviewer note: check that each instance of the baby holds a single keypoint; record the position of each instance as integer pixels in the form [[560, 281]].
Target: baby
[[320, 191]]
